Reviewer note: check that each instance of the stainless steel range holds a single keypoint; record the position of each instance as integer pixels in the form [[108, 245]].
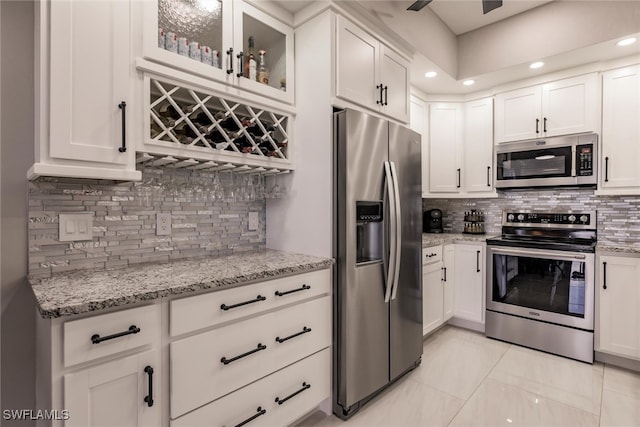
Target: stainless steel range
[[540, 284]]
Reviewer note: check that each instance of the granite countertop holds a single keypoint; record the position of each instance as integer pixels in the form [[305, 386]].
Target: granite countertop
[[433, 239], [82, 291], [617, 247]]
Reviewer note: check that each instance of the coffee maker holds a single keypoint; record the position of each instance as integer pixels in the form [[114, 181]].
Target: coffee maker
[[432, 221]]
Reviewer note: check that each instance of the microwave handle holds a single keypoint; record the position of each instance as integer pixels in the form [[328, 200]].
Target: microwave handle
[[537, 253]]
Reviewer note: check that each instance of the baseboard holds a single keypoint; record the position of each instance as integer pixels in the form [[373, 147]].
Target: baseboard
[[467, 324], [622, 362]]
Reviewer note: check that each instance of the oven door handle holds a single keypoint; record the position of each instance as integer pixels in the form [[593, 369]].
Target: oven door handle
[[538, 253]]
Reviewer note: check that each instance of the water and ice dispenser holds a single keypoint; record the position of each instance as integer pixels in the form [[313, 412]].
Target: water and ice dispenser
[[369, 231]]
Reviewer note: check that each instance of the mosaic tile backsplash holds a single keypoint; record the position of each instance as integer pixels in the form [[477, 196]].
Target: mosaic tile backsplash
[[618, 216], [209, 215]]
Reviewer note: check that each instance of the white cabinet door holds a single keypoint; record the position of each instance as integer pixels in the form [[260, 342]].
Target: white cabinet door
[[621, 128], [357, 59], [448, 279], [518, 114], [619, 318], [89, 65], [432, 297], [477, 163], [445, 137], [113, 394], [570, 105], [394, 74], [469, 282], [418, 122]]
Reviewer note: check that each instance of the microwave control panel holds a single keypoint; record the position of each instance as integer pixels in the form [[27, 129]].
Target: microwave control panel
[[584, 160]]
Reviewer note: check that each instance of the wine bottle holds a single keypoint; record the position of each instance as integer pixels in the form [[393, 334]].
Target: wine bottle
[[263, 71], [228, 123], [250, 62]]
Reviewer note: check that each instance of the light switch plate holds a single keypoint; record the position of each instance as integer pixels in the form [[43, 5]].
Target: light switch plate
[[163, 223], [75, 226], [253, 221]]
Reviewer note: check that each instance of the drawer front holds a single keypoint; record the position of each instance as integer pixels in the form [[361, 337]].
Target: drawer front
[[202, 311], [98, 336], [431, 254], [286, 385], [199, 373]]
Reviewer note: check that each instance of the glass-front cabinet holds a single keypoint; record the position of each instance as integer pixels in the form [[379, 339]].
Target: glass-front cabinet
[[227, 41]]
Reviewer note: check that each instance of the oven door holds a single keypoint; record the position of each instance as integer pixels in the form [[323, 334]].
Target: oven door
[[547, 285]]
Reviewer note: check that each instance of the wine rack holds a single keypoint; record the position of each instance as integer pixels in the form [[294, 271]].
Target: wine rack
[[190, 124]]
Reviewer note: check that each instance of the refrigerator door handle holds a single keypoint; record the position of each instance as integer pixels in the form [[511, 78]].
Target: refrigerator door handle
[[392, 230], [398, 231]]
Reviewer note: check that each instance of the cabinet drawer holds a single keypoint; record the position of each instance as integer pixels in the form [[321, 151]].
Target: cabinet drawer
[[231, 410], [207, 366], [431, 254], [98, 336], [201, 311]]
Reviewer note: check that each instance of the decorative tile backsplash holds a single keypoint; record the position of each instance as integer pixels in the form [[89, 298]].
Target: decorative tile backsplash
[[618, 216], [209, 217]]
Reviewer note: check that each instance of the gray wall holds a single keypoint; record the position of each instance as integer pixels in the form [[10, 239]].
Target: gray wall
[[16, 127]]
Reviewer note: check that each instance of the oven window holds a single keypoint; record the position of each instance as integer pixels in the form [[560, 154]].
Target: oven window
[[551, 285], [544, 163]]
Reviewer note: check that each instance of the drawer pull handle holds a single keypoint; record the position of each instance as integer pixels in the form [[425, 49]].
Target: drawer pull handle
[[303, 288], [303, 331], [305, 386], [253, 417], [96, 339], [260, 347], [226, 307], [148, 399], [431, 255]]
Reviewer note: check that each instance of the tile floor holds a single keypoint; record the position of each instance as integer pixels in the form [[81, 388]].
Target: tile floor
[[466, 379]]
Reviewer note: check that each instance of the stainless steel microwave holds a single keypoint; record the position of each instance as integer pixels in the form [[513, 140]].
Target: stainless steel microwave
[[557, 161]]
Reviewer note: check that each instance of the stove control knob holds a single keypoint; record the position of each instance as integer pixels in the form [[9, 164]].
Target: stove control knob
[[584, 219], [520, 217], [510, 217], [572, 218]]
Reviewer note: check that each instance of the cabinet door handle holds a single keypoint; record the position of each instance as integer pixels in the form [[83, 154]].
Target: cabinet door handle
[[240, 57], [97, 339], [385, 96], [304, 331], [488, 176], [302, 288], [123, 106], [260, 411], [226, 307], [606, 169], [459, 179], [477, 261], [445, 273], [604, 275], [379, 101], [230, 60], [148, 399], [260, 347], [537, 125], [305, 386], [544, 125]]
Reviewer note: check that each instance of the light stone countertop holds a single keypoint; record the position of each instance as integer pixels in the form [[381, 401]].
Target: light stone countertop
[[433, 239], [617, 247], [84, 291]]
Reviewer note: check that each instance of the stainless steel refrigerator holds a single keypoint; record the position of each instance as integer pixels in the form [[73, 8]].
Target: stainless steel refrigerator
[[378, 229]]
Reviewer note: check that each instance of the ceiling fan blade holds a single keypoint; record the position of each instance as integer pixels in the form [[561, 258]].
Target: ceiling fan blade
[[420, 4], [489, 5]]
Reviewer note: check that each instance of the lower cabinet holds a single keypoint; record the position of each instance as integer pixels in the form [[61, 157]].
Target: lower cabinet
[[437, 286], [469, 303], [618, 303]]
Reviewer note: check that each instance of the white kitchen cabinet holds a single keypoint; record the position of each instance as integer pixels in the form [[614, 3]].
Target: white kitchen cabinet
[[448, 279], [557, 108], [418, 121], [432, 289], [470, 274], [618, 292], [477, 150], [445, 143], [369, 73], [83, 91], [225, 27], [620, 142], [123, 392]]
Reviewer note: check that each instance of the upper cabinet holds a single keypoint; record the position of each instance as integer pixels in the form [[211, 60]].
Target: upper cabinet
[[369, 73], [83, 91], [445, 147], [477, 155], [557, 108], [619, 171], [227, 41]]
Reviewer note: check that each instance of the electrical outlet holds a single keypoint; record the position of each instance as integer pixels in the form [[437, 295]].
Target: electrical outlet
[[163, 224], [253, 220]]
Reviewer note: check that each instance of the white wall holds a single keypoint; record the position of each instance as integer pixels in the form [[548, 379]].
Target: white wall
[[16, 155]]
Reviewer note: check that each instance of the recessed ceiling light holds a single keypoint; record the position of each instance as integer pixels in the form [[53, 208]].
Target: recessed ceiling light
[[430, 74], [535, 65], [468, 82], [626, 42]]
